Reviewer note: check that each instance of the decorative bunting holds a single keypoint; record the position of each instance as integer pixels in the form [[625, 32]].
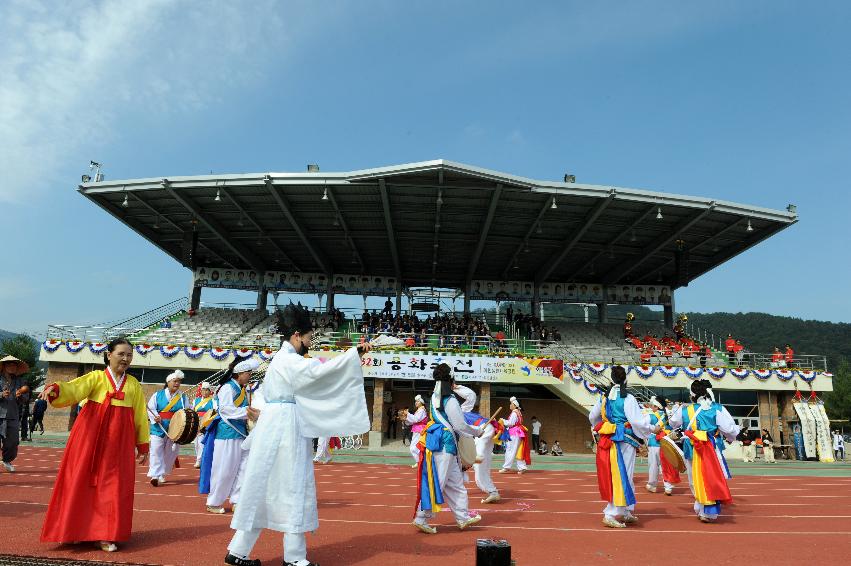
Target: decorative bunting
[[643, 372], [596, 368], [762, 374], [669, 371], [219, 353], [169, 351], [576, 375], [243, 352], [97, 347], [74, 346], [266, 354], [740, 373], [51, 345], [717, 373], [194, 352], [693, 372], [591, 388], [784, 374], [576, 366]]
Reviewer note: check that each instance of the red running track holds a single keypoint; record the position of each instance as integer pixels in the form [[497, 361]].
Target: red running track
[[549, 517]]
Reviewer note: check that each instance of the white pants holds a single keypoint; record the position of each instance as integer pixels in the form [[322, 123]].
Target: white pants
[[163, 452], [228, 466], [451, 481], [415, 451], [295, 545], [484, 451], [749, 453], [628, 453], [199, 448], [654, 466], [511, 455], [323, 450]]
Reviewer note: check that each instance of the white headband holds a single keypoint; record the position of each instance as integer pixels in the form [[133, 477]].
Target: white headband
[[419, 399], [246, 365], [515, 401], [176, 374], [206, 385], [655, 402]]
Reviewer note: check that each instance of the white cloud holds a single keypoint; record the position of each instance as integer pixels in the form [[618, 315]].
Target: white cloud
[[72, 70]]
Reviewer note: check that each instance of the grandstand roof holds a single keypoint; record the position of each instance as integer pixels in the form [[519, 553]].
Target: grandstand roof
[[436, 223]]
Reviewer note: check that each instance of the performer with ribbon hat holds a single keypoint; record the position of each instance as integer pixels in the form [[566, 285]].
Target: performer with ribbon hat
[[515, 438], [439, 476], [484, 443], [704, 422], [92, 498], [621, 426], [204, 405], [303, 399], [12, 389], [417, 421], [670, 475], [161, 407], [223, 460]]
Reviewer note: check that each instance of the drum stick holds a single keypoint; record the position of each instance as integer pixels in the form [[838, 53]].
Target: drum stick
[[159, 424], [493, 416]]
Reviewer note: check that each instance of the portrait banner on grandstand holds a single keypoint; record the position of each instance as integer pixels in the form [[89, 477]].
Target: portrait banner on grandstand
[[464, 368], [555, 292], [295, 282]]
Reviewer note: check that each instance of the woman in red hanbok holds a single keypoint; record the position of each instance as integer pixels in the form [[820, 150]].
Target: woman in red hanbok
[[93, 496]]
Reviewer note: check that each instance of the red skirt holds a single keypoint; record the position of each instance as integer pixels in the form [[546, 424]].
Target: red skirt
[[93, 496]]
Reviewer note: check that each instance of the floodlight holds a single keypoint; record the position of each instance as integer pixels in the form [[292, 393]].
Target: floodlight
[[325, 194], [218, 196], [749, 228], [658, 213], [86, 178], [312, 168], [569, 178], [554, 205], [126, 202]]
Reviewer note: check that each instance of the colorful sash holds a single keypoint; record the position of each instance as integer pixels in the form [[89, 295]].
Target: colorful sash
[[429, 496], [669, 473], [612, 477], [710, 485]]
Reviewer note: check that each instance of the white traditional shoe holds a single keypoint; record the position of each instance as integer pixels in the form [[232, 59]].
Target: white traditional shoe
[[107, 546], [197, 464], [425, 527], [629, 519], [503, 471], [9, 467], [669, 491], [162, 480], [650, 488], [704, 519], [215, 510], [471, 521], [492, 497], [415, 466], [613, 523], [521, 472]]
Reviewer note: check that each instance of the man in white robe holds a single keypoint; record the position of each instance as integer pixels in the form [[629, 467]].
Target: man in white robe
[[303, 399], [484, 444]]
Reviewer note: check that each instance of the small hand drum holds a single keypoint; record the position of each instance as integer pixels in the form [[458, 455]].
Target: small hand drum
[[672, 453], [467, 451]]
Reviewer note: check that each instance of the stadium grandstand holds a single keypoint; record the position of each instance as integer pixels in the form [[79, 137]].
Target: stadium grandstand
[[470, 261]]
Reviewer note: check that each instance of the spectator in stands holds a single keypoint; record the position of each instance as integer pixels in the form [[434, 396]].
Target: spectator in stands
[[509, 314], [777, 359], [555, 450], [748, 447], [410, 342], [838, 445], [39, 408], [191, 312], [768, 447], [647, 354], [556, 335], [790, 356], [739, 351], [543, 448], [730, 346], [705, 353], [536, 433], [388, 307]]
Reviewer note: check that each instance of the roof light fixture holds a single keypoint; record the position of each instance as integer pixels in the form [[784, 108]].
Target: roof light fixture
[[568, 178], [157, 223], [658, 213], [632, 237], [126, 202], [749, 228], [715, 248], [439, 199], [325, 194], [554, 205], [218, 196]]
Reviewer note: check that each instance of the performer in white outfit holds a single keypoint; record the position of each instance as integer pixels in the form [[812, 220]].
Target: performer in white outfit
[[221, 472], [515, 439], [161, 407], [323, 450], [439, 462], [484, 444], [304, 399], [204, 405], [621, 425], [417, 421]]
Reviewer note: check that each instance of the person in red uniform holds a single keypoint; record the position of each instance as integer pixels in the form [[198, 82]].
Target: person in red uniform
[[730, 344], [777, 358], [92, 498], [790, 356]]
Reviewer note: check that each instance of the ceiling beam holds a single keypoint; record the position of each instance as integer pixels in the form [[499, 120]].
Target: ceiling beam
[[524, 242], [436, 247], [615, 275], [545, 270], [136, 196], [241, 252], [285, 208], [636, 222], [339, 215], [263, 233], [388, 223], [483, 233]]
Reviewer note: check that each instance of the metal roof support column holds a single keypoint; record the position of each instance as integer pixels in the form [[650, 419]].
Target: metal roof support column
[[285, 208], [388, 223], [483, 236]]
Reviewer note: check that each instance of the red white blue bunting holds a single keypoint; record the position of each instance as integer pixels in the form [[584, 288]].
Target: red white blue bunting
[[577, 366], [762, 374], [169, 351], [219, 353], [809, 376], [243, 352], [643, 372], [669, 371], [194, 352], [144, 349], [97, 347], [717, 373], [784, 374], [51, 345], [266, 354], [575, 375], [596, 368], [740, 373], [591, 388], [74, 346], [693, 372]]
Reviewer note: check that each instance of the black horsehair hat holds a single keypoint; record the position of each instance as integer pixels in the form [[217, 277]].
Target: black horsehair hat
[[292, 319]]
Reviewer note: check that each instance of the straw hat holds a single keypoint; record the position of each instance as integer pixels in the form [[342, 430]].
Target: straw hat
[[22, 366]]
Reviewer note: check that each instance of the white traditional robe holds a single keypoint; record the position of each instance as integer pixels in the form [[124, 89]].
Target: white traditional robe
[[163, 451], [304, 399], [484, 443]]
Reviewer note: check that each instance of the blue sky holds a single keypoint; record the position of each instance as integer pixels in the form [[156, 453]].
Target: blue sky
[[742, 101]]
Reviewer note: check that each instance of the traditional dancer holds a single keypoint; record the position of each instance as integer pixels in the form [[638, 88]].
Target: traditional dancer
[[701, 421], [670, 475], [484, 444], [304, 399], [161, 407], [417, 421], [223, 461], [439, 476], [325, 446], [93, 496], [204, 405], [515, 439], [620, 425]]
